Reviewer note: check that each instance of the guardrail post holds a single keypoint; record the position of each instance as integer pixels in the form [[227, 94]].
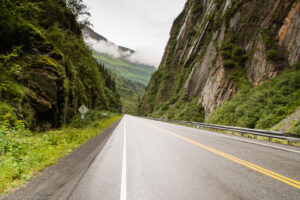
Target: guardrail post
[[255, 136], [270, 139]]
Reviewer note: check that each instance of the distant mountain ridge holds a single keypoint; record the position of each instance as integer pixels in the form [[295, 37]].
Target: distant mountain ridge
[[90, 33]]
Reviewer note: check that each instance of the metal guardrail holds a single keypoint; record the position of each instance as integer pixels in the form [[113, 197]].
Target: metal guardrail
[[242, 131]]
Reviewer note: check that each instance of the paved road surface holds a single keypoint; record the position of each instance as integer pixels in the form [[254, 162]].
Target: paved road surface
[[150, 160], [169, 162]]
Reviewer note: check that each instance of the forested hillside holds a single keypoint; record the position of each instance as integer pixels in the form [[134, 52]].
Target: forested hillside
[[232, 62], [131, 77], [131, 71], [131, 80], [47, 71]]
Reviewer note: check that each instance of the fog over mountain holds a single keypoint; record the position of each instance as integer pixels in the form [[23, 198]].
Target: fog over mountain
[[103, 45]]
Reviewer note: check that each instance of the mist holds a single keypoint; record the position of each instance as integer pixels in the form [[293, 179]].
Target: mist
[[140, 56]]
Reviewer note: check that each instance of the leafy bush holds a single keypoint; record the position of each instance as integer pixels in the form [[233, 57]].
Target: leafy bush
[[192, 33], [8, 117], [197, 7], [189, 111], [90, 117], [272, 54], [297, 65], [229, 64], [296, 129], [233, 54], [262, 106]]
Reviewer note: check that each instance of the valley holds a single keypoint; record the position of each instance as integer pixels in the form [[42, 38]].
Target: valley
[[83, 117]]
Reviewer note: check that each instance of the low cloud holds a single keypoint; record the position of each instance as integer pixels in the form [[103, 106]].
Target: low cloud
[[141, 56]]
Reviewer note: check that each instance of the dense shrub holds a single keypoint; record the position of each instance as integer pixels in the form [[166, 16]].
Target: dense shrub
[[90, 117], [262, 106], [197, 7], [296, 129], [229, 64], [272, 54], [188, 110], [233, 54]]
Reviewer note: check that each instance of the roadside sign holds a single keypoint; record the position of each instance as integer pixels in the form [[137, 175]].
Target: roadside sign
[[83, 109]]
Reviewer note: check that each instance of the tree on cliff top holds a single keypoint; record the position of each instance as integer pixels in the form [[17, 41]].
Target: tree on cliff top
[[80, 11]]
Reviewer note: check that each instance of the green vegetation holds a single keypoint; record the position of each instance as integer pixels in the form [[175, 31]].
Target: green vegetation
[[270, 42], [46, 73], [233, 54], [296, 128], [189, 111], [262, 106], [80, 11], [133, 72], [272, 54], [131, 80], [183, 108], [46, 70], [24, 153], [197, 7], [130, 92]]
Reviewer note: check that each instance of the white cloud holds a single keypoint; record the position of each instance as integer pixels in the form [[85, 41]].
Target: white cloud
[[141, 56], [143, 25], [144, 56]]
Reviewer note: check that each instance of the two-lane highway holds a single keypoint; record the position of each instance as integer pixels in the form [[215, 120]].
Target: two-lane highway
[[149, 160], [141, 159]]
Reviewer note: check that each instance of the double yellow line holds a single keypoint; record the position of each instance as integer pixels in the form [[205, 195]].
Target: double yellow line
[[257, 168]]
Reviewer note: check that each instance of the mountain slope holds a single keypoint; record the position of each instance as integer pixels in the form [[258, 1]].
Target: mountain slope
[[130, 92], [47, 71], [89, 33], [117, 58], [130, 71], [220, 48], [131, 78]]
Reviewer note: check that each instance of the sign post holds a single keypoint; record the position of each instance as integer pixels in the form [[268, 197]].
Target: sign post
[[83, 110]]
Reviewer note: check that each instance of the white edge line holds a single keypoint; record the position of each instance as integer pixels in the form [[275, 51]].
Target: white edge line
[[123, 195], [240, 139], [261, 144]]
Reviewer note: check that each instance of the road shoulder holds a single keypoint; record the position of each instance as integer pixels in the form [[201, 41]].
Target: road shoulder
[[58, 181]]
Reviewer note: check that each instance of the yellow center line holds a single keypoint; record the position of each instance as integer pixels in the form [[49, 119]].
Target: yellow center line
[[257, 168]]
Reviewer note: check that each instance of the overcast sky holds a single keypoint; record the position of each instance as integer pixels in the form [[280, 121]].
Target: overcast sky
[[142, 25]]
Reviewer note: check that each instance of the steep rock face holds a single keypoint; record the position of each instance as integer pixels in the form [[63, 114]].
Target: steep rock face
[[218, 46], [46, 70]]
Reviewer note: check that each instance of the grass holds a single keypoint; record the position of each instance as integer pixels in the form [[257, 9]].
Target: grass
[[24, 153]]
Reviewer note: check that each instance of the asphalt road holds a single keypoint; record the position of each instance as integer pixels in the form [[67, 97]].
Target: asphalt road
[[151, 160]]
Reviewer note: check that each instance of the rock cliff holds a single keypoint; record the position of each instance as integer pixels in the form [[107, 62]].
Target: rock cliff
[[217, 47]]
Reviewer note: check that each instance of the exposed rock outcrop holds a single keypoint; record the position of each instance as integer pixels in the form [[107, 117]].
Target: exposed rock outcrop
[[219, 46]]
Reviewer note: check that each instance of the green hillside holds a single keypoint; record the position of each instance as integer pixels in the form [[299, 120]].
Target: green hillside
[[46, 69], [130, 71], [131, 79], [130, 92]]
